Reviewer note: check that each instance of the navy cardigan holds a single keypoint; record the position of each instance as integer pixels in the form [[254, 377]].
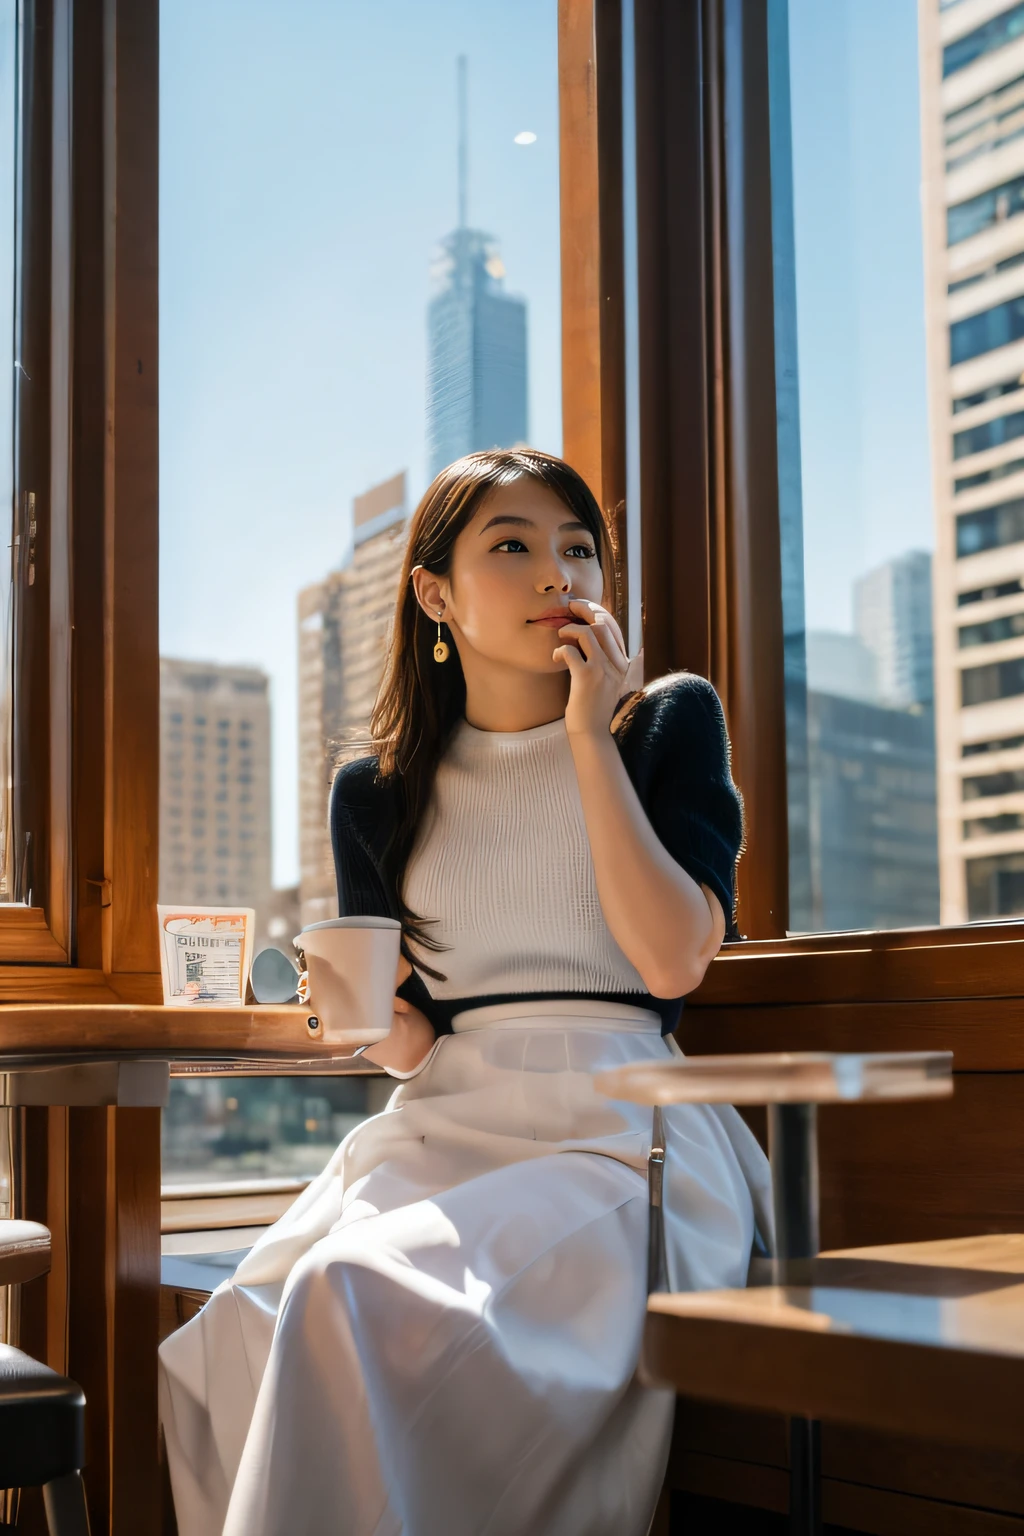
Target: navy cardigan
[[675, 749]]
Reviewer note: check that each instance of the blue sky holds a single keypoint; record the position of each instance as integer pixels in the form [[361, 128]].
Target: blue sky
[[307, 170], [860, 293]]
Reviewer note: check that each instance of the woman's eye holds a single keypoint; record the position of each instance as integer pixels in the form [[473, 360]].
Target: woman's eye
[[581, 552], [512, 546]]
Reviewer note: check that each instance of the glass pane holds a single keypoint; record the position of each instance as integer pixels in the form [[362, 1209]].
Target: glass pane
[[898, 172], [359, 282], [9, 142]]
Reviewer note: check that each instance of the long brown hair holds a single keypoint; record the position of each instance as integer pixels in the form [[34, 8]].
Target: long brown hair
[[420, 702]]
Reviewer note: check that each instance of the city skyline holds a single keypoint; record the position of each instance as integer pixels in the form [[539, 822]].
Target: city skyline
[[292, 371], [295, 276]]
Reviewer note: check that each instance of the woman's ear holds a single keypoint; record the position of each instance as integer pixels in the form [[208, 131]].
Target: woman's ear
[[428, 591]]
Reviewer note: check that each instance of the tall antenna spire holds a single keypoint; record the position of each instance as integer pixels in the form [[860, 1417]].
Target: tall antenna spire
[[463, 141]]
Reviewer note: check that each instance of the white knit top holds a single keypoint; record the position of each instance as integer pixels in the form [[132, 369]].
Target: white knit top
[[503, 865]]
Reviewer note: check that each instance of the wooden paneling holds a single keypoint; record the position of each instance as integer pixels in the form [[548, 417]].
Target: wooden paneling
[[910, 1172], [984, 1036], [934, 963], [850, 1506], [951, 1473], [593, 379], [726, 1440]]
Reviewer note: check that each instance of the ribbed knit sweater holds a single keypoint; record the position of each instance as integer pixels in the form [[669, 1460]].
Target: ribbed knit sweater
[[503, 866], [504, 871]]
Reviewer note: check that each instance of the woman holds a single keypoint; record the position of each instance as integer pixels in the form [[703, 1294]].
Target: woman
[[439, 1338]]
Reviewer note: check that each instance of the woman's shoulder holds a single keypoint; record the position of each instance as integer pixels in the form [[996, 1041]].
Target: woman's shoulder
[[358, 783], [675, 711], [360, 795]]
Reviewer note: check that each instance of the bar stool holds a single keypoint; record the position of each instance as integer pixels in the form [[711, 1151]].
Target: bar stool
[[792, 1085], [42, 1414]]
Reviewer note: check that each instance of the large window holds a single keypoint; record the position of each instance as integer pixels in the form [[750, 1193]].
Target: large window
[[907, 261], [865, 577], [359, 282]]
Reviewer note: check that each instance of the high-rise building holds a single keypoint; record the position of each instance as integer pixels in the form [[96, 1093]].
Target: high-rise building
[[892, 617], [214, 784], [841, 665], [476, 340], [344, 622], [871, 757], [872, 814], [972, 97]]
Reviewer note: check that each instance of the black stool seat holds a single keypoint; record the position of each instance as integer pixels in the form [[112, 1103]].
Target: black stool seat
[[42, 1422]]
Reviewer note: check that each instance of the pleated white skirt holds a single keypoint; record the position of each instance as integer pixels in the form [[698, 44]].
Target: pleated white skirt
[[439, 1337]]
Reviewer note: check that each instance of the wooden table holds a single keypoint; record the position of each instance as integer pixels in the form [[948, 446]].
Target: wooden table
[[85, 1082], [792, 1085], [917, 1338]]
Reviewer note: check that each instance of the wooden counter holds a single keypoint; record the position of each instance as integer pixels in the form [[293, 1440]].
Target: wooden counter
[[43, 1030]]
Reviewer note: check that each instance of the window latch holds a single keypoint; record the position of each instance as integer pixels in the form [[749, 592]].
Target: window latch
[[105, 889]]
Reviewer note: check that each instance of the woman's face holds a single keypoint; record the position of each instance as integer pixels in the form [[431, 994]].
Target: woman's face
[[514, 568]]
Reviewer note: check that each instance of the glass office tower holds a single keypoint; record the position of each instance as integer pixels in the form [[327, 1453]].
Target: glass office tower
[[476, 368]]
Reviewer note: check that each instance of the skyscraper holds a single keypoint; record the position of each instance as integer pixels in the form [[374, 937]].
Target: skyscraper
[[871, 740], [972, 98], [344, 622], [476, 339], [892, 616], [214, 784]]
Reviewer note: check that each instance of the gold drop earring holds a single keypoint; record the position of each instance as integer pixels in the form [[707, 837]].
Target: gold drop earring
[[440, 649]]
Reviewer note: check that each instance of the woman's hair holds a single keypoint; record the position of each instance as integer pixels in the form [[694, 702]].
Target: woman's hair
[[421, 701]]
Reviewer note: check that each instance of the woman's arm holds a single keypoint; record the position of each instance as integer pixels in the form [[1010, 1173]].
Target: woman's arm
[[357, 809], [666, 924]]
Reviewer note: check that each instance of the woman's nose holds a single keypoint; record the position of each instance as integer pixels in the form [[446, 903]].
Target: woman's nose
[[561, 584]]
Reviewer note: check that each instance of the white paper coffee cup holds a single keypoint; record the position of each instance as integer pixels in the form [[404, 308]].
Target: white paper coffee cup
[[352, 964]]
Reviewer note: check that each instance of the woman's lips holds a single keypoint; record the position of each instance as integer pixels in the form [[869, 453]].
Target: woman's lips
[[553, 620]]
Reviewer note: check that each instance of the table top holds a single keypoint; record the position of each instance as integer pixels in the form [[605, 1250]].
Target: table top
[[33, 1034], [915, 1338], [783, 1077]]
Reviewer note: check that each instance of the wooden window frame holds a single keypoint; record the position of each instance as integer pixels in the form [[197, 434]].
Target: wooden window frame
[[86, 646]]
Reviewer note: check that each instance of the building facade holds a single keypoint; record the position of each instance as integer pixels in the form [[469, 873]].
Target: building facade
[[871, 756], [476, 353], [215, 817], [972, 99], [344, 622], [892, 618], [872, 813]]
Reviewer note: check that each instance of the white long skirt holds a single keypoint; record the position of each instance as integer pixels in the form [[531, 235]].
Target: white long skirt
[[439, 1337]]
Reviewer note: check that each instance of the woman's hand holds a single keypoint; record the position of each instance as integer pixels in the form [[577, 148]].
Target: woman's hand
[[599, 668], [410, 1037]]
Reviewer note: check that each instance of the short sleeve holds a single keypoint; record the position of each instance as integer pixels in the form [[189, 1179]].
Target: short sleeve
[[676, 749], [358, 832]]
